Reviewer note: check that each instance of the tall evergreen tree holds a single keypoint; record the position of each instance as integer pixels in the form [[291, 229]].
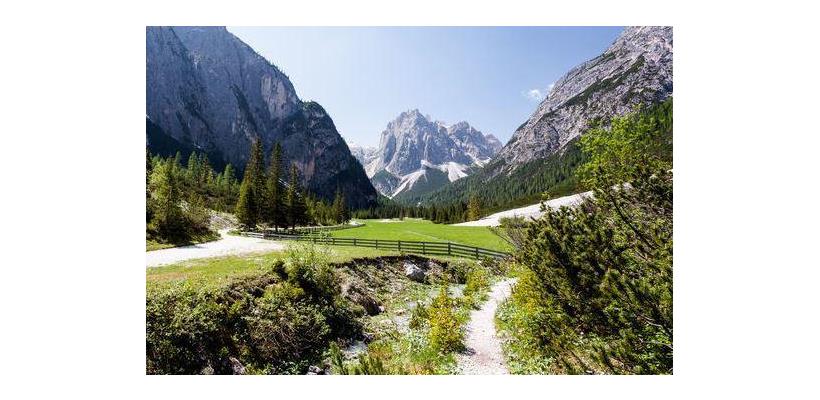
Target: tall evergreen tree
[[168, 217], [473, 208], [340, 213], [295, 200], [148, 171], [275, 210], [251, 193]]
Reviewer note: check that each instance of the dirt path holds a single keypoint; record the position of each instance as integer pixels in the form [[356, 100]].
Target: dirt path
[[483, 355], [226, 246], [528, 211]]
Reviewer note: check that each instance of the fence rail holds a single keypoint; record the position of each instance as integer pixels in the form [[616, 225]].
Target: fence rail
[[313, 229], [405, 246]]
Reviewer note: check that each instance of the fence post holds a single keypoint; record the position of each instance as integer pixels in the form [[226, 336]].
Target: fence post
[[476, 253], [377, 243], [423, 248], [354, 242], [449, 250], [399, 246]]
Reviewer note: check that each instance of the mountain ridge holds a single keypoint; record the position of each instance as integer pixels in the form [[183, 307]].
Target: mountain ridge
[[208, 90], [415, 148]]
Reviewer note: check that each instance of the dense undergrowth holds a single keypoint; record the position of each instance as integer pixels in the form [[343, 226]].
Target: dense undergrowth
[[435, 327], [282, 317], [594, 291]]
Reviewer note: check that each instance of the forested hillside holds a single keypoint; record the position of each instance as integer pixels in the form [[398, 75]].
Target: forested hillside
[[595, 282]]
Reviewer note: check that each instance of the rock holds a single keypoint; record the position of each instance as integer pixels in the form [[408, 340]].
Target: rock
[[355, 291], [314, 370], [236, 366], [413, 272], [414, 148], [636, 68], [206, 90], [209, 370]]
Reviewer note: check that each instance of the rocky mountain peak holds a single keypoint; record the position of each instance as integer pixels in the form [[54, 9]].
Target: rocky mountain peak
[[208, 90], [413, 146], [636, 68]]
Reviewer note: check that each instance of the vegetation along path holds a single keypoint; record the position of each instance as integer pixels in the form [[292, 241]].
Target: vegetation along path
[[483, 355], [227, 245]]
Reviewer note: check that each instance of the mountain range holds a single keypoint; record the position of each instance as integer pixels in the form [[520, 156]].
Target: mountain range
[[208, 91], [417, 155], [542, 154], [635, 69]]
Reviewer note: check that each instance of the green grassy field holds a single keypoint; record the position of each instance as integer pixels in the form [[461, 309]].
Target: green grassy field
[[220, 269], [423, 230]]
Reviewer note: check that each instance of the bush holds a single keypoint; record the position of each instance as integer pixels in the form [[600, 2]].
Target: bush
[[276, 321], [595, 295], [445, 329], [419, 317], [477, 283]]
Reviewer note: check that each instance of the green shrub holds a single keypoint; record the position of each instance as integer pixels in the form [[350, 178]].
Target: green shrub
[[595, 295], [445, 329], [477, 282], [419, 317], [276, 321]]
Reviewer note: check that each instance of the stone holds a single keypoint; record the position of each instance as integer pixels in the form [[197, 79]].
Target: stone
[[636, 68], [236, 366], [207, 90], [415, 148], [413, 272]]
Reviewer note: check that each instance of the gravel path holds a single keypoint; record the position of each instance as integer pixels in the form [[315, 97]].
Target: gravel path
[[226, 246], [483, 355], [528, 211]]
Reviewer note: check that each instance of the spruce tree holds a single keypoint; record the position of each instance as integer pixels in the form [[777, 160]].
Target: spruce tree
[[166, 196], [274, 211], [473, 209], [295, 200], [251, 193], [337, 210]]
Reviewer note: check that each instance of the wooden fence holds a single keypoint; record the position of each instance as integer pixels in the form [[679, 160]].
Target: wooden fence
[[402, 246], [313, 229]]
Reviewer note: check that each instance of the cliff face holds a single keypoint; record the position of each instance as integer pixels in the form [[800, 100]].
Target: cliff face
[[209, 90], [636, 68]]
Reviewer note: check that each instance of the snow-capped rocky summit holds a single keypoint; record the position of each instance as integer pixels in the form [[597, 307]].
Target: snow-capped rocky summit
[[636, 68], [418, 154]]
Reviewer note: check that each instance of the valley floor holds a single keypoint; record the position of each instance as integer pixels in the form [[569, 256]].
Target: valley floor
[[226, 245], [533, 211]]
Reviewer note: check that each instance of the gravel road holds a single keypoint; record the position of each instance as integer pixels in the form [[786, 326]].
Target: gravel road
[[226, 246], [483, 355], [528, 211]]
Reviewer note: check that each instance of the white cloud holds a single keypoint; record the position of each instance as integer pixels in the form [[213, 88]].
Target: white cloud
[[534, 94], [538, 94]]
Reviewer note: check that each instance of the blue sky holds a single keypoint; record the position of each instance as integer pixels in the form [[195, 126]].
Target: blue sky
[[491, 77]]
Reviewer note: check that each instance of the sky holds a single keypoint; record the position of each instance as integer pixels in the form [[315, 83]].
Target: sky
[[492, 77]]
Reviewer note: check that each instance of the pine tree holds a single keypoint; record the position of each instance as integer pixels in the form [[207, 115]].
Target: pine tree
[[473, 209], [274, 210], [295, 201], [339, 212], [193, 168], [168, 217], [251, 193], [148, 170]]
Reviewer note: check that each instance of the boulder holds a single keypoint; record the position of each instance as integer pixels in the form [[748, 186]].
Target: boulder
[[355, 291], [413, 272], [236, 366]]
